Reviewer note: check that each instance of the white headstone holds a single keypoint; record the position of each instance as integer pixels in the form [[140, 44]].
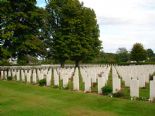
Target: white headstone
[[9, 73], [22, 75], [65, 81], [34, 77], [2, 75], [48, 78], [56, 78], [116, 82], [134, 88], [87, 84], [101, 84], [28, 75], [76, 80], [14, 74], [5, 75], [152, 90], [18, 75]]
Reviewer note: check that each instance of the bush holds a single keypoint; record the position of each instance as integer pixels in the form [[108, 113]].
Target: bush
[[118, 94], [42, 82], [106, 90], [9, 78]]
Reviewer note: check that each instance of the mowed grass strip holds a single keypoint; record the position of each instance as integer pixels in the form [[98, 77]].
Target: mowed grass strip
[[19, 99]]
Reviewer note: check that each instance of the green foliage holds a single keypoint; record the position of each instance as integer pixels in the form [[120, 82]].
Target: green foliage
[[138, 53], [122, 55], [118, 94], [106, 90], [103, 58], [42, 82], [27, 59], [21, 29], [150, 53], [9, 78], [74, 31], [4, 63]]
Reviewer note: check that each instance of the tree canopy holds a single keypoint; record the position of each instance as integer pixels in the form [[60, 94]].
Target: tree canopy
[[74, 31], [138, 53], [21, 29], [122, 54]]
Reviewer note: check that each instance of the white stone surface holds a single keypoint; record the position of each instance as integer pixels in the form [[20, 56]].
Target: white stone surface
[[49, 77], [116, 82], [18, 75], [28, 75], [5, 75], [34, 77], [152, 90], [2, 75], [56, 78], [23, 75], [76, 80], [134, 88], [87, 84], [101, 84]]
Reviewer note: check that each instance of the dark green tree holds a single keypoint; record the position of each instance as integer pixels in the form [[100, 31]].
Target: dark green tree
[[74, 31], [21, 29], [138, 53], [122, 55], [4, 9], [85, 44], [150, 53]]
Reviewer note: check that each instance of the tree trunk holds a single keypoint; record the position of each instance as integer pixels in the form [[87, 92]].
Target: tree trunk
[[62, 64], [77, 63]]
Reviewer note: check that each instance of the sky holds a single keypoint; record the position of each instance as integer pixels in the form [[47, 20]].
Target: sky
[[123, 22]]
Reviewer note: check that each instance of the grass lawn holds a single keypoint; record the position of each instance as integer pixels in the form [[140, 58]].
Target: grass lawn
[[20, 99]]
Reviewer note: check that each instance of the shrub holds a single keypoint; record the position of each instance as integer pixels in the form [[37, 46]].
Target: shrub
[[118, 94], [42, 82], [9, 78], [106, 90]]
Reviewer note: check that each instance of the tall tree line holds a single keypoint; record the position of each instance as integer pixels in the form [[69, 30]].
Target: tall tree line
[[64, 30]]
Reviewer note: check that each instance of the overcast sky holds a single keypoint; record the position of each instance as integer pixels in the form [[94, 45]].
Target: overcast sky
[[123, 22]]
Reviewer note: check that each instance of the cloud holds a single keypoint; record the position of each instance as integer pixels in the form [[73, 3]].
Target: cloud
[[125, 22]]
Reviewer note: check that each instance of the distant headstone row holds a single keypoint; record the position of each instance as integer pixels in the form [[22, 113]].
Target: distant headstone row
[[135, 77], [54, 75]]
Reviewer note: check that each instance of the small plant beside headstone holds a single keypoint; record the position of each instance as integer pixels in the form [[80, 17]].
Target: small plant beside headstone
[[118, 94], [42, 82], [9, 78], [106, 90]]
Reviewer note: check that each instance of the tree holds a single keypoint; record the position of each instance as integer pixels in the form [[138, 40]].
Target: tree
[[74, 31], [85, 45], [150, 53], [122, 54], [21, 29], [4, 53], [138, 53]]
